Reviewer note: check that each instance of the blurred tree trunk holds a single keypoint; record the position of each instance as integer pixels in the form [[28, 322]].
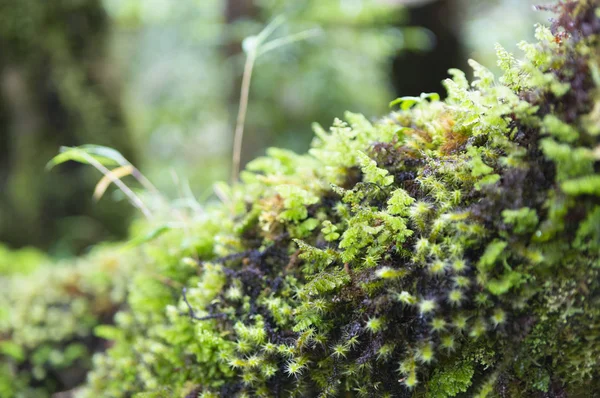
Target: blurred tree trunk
[[415, 72], [56, 89]]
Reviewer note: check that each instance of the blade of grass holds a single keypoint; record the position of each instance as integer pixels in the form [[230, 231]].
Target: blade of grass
[[254, 50], [105, 181], [133, 198]]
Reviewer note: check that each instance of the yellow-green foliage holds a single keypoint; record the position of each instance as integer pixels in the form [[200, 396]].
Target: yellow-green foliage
[[449, 248]]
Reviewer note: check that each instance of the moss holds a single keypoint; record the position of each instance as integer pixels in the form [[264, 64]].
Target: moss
[[449, 248], [450, 381]]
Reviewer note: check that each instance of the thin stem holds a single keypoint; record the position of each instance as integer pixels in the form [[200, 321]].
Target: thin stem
[[192, 313], [135, 200], [241, 117]]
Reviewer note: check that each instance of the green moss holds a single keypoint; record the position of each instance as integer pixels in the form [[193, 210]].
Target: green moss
[[449, 248], [450, 381]]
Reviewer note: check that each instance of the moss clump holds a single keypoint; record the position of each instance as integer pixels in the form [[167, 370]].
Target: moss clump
[[450, 248]]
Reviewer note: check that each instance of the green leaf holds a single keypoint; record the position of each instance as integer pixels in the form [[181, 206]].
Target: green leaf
[[523, 220], [408, 102], [491, 254], [559, 129], [503, 285], [589, 185], [104, 155]]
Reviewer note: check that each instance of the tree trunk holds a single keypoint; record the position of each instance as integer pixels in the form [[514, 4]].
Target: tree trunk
[[413, 72], [56, 89]]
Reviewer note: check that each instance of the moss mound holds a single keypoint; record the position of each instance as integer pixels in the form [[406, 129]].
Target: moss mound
[[450, 249]]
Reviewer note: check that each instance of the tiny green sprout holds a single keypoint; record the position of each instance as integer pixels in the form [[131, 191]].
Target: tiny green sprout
[[437, 267], [406, 298], [448, 342], [362, 391], [425, 353], [305, 338], [498, 317], [352, 341], [456, 296], [482, 299], [462, 281], [390, 273], [375, 325], [329, 231], [456, 197], [456, 250], [418, 213], [427, 306], [286, 311], [243, 346], [478, 329], [321, 339], [460, 322], [385, 351], [237, 363], [253, 361], [234, 293], [370, 261], [411, 381], [262, 391], [320, 305], [422, 247], [440, 196], [339, 351], [352, 370], [438, 324], [408, 366], [269, 348], [435, 250], [294, 368], [253, 334], [459, 265], [249, 378], [286, 350], [268, 370]]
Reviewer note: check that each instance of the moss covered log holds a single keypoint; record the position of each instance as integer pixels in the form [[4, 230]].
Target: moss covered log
[[451, 248]]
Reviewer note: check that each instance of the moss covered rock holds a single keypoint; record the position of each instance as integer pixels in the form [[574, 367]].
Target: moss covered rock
[[449, 249]]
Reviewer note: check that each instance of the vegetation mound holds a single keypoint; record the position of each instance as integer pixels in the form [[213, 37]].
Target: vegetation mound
[[451, 248]]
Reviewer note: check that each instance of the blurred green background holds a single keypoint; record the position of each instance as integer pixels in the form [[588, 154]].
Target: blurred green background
[[159, 81]]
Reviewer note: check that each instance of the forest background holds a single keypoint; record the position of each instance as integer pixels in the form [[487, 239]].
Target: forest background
[[159, 80]]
